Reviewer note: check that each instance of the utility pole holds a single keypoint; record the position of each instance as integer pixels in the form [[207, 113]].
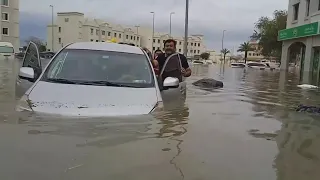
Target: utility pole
[[170, 23], [222, 42], [186, 23], [153, 14], [52, 29]]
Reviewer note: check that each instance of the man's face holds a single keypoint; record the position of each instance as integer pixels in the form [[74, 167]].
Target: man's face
[[158, 53], [169, 48]]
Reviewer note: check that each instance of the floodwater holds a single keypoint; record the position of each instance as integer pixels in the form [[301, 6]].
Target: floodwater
[[247, 130]]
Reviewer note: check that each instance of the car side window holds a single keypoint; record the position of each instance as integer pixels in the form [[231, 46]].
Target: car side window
[[57, 64], [31, 59]]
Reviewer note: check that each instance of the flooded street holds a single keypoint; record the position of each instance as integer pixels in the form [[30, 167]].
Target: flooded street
[[247, 130]]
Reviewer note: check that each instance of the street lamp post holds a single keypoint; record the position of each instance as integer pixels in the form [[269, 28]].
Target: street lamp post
[[222, 41], [170, 22], [185, 45], [52, 29], [137, 29], [153, 14], [137, 26], [223, 37]]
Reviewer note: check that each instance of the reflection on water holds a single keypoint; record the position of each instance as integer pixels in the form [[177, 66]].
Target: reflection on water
[[247, 130]]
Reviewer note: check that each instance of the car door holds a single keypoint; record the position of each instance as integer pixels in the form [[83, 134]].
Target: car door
[[173, 93], [30, 59]]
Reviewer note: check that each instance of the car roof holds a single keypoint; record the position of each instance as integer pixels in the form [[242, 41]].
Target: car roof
[[105, 46]]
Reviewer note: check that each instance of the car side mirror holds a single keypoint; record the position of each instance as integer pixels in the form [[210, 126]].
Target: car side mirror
[[171, 82], [27, 73]]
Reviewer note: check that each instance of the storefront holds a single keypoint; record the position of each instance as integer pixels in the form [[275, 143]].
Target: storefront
[[303, 41]]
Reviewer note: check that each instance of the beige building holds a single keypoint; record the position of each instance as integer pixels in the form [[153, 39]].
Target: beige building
[[75, 27], [254, 55], [195, 43], [72, 27], [10, 22]]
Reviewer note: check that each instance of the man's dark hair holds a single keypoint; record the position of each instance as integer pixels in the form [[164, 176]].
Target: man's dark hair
[[169, 41], [158, 50]]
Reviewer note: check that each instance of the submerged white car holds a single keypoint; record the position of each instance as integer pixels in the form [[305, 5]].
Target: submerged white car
[[91, 79]]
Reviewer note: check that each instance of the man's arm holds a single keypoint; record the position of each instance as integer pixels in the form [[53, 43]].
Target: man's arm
[[186, 71]]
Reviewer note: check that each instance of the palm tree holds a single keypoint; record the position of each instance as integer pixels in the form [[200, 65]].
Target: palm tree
[[245, 47], [224, 52]]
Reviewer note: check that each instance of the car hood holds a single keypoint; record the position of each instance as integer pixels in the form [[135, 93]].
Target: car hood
[[87, 100]]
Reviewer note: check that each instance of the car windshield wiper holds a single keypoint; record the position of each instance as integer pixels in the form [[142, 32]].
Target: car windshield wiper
[[108, 83], [63, 81]]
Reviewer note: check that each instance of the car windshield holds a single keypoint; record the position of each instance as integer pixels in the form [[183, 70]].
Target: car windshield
[[106, 68], [6, 49]]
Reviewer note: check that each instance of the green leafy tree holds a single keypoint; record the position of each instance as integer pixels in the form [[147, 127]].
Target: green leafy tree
[[225, 52], [267, 33], [245, 47], [205, 56], [40, 44]]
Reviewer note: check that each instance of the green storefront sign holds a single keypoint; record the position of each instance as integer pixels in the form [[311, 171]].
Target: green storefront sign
[[299, 32]]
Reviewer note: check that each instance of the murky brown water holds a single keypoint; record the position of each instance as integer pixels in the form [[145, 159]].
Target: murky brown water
[[247, 130]]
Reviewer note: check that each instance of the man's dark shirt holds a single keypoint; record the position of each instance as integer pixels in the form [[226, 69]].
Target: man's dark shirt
[[162, 59], [172, 68]]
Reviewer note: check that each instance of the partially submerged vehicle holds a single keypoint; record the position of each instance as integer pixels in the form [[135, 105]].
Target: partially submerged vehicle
[[92, 79], [238, 65], [6, 49]]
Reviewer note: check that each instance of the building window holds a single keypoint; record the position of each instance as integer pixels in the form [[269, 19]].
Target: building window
[[97, 40], [194, 51], [109, 33], [91, 40], [154, 48], [319, 5], [5, 31], [131, 37], [180, 43], [103, 33], [59, 29], [119, 35], [179, 50], [97, 32], [134, 38], [295, 11], [191, 44], [164, 41], [159, 41], [91, 31], [59, 40], [198, 51], [5, 2], [127, 37], [5, 16], [249, 54], [307, 8], [154, 40], [137, 38], [115, 35], [199, 44], [66, 19]]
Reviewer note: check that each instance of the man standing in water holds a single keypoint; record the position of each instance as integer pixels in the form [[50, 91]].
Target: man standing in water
[[177, 66]]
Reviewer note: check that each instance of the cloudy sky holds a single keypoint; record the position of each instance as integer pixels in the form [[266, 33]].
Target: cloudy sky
[[207, 17]]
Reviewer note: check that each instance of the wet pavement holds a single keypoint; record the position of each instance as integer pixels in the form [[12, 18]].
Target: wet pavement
[[247, 130]]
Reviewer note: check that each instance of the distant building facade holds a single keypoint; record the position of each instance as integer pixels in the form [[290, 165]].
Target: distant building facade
[[9, 23], [72, 27]]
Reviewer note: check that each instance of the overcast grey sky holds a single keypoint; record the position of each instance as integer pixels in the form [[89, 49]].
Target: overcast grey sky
[[207, 17]]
